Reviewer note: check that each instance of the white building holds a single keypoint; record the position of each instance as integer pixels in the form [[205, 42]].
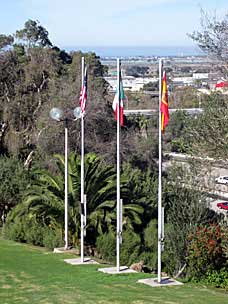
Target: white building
[[129, 82]]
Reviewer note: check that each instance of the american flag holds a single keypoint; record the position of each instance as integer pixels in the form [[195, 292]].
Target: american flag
[[83, 93]]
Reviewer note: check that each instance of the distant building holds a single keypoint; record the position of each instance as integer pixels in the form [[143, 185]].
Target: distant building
[[130, 83], [200, 76]]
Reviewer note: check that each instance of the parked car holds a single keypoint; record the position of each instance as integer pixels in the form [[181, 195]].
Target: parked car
[[223, 205], [222, 180]]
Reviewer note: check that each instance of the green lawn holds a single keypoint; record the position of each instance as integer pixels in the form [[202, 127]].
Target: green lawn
[[32, 275]]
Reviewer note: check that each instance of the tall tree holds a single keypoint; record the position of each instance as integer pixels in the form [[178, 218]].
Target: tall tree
[[33, 34], [5, 41], [213, 37]]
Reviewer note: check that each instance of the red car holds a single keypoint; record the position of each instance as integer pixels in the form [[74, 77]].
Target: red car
[[223, 205]]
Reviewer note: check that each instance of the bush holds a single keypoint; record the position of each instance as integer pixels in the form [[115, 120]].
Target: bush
[[33, 233], [14, 231], [150, 259], [217, 278], [206, 253], [149, 254], [14, 179], [130, 248], [106, 246], [52, 239], [22, 229]]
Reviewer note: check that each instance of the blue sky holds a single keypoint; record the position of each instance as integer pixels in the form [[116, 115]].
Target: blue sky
[[111, 22]]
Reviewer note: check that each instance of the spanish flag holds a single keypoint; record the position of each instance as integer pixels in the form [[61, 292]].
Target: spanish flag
[[164, 104]]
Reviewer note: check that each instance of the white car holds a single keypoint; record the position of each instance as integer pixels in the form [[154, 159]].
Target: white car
[[222, 180]]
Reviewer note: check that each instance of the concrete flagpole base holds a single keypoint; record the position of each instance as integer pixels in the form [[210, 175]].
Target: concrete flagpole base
[[64, 250], [166, 281], [78, 261], [112, 270]]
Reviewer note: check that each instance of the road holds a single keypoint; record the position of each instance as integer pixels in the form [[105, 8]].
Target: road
[[213, 168], [149, 112]]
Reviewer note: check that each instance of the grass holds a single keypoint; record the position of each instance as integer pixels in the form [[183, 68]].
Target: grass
[[33, 275]]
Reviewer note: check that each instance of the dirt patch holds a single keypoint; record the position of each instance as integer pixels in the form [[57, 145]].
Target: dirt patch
[[6, 286]]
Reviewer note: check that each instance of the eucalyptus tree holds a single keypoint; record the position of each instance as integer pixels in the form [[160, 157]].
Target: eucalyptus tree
[[33, 34], [5, 41]]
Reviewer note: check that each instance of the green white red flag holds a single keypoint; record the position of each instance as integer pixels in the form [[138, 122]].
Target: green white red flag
[[115, 104]]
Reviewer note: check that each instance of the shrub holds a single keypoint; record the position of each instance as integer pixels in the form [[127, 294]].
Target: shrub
[[206, 254], [14, 179], [14, 231], [217, 278], [23, 229], [52, 238], [149, 254], [150, 259], [130, 248], [33, 233], [106, 246]]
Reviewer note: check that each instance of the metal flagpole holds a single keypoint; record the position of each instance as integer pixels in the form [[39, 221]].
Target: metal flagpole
[[85, 214], [82, 172], [66, 184], [121, 220], [160, 175], [118, 173]]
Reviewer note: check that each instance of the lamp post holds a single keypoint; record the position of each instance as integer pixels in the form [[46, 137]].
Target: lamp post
[[59, 115]]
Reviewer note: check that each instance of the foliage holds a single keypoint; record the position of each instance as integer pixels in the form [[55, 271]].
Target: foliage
[[44, 200], [130, 248], [136, 70], [149, 251], [52, 238], [151, 86], [217, 278], [106, 246], [176, 136], [27, 229], [14, 179], [5, 41], [14, 231], [186, 207], [184, 97], [203, 134], [205, 251], [213, 36], [208, 132], [33, 34]]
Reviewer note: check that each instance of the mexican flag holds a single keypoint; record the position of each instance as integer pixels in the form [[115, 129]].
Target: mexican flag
[[115, 104]]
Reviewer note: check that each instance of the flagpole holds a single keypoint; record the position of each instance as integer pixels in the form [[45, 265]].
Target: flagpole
[[160, 174], [118, 173], [82, 171], [66, 184]]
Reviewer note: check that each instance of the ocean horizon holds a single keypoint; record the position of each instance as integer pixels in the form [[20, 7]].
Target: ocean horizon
[[137, 51]]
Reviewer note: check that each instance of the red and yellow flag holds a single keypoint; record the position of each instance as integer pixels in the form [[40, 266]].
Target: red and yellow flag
[[164, 104]]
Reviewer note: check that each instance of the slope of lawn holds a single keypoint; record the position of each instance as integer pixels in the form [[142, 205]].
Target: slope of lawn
[[33, 275]]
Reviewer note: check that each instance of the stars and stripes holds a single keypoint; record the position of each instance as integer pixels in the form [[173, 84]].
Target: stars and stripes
[[83, 93]]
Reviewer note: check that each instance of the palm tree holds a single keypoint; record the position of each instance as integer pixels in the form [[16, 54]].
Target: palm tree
[[44, 199]]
